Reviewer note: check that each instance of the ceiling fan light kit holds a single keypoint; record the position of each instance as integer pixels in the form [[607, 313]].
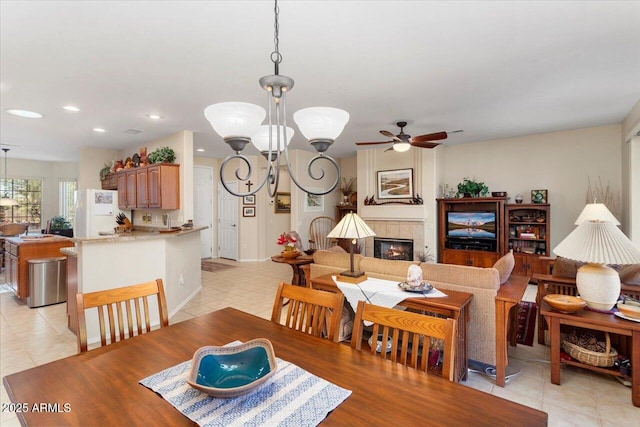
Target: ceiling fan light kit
[[240, 123], [402, 141]]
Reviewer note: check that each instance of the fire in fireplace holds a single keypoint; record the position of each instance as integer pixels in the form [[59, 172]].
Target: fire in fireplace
[[398, 249]]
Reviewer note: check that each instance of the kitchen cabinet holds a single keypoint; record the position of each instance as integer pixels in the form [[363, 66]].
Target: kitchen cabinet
[[154, 186], [20, 251]]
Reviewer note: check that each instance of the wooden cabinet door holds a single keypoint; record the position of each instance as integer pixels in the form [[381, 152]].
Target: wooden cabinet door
[[153, 186], [142, 188], [122, 190], [131, 189]]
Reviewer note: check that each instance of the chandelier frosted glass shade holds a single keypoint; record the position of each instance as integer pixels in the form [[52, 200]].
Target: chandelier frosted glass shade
[[235, 119], [260, 139], [7, 201], [321, 123]]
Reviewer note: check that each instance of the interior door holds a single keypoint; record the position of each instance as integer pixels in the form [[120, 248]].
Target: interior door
[[203, 207], [228, 222]]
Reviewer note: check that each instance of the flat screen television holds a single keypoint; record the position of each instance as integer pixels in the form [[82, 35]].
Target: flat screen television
[[471, 225]]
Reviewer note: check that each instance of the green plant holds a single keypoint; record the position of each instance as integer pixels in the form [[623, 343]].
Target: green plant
[[162, 155], [472, 188], [59, 223]]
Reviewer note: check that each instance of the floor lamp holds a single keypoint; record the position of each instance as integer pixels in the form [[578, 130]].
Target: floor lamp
[[351, 227]]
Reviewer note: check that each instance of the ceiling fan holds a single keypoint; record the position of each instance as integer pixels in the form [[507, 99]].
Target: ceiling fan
[[402, 141]]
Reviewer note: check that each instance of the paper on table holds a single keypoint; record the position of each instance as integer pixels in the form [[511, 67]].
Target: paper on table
[[380, 292]]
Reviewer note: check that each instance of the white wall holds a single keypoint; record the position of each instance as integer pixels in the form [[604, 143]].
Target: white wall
[[560, 162]]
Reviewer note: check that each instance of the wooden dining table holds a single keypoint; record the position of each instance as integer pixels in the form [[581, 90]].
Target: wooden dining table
[[101, 387]]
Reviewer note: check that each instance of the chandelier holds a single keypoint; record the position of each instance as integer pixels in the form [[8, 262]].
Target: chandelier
[[6, 200], [240, 123]]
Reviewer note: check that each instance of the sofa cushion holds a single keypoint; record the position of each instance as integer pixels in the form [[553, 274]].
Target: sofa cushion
[[505, 266], [461, 275], [563, 267], [337, 259], [385, 267], [630, 274]]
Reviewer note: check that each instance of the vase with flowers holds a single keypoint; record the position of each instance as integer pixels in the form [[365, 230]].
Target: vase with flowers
[[289, 243]]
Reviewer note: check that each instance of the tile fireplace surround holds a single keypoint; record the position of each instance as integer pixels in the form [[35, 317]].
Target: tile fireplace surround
[[397, 230]]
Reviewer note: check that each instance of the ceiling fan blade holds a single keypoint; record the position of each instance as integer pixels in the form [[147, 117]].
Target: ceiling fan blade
[[425, 144], [373, 143], [429, 137], [390, 135]]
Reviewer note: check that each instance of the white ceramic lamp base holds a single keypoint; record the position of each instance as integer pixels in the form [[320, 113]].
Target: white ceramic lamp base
[[598, 285]]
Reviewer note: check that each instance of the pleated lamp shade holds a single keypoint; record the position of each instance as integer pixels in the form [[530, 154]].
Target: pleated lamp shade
[[598, 244], [596, 212], [351, 226]]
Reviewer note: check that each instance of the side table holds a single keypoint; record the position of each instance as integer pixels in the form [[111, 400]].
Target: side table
[[295, 263], [599, 322]]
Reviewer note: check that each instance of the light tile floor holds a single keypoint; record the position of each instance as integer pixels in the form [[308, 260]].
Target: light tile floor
[[31, 337]]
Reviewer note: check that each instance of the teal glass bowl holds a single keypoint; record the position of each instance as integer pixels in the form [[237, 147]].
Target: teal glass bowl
[[232, 371]]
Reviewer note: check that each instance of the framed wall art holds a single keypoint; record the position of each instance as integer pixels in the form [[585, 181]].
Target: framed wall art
[[313, 202], [283, 203], [248, 211], [539, 196], [249, 200], [395, 184]]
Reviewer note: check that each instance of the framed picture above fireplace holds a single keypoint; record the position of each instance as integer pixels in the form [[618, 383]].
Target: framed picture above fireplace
[[395, 184]]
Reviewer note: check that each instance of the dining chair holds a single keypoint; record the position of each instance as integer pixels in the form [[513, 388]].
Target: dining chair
[[119, 302], [409, 334], [319, 228], [311, 311]]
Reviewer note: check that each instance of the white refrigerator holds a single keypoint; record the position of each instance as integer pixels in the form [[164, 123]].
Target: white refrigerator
[[96, 212]]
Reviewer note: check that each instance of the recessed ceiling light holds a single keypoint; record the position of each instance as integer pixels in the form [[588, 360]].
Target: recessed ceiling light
[[201, 150], [25, 113], [99, 130], [154, 116], [71, 108]]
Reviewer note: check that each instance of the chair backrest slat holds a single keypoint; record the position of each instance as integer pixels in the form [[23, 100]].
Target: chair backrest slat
[[121, 298], [311, 311], [410, 333]]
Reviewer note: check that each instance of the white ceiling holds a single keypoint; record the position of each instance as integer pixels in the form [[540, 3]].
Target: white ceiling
[[495, 69]]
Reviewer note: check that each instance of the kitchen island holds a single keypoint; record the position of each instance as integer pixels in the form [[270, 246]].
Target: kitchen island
[[114, 261]]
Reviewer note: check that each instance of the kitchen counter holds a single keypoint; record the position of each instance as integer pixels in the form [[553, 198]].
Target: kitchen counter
[[114, 261], [140, 234]]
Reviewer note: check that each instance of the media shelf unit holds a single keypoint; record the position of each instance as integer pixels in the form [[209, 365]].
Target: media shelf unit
[[527, 233], [477, 249]]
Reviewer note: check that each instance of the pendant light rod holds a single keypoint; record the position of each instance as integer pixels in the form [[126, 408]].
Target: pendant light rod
[[6, 200], [239, 123]]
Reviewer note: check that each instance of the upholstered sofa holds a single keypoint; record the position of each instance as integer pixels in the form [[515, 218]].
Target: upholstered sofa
[[483, 283]]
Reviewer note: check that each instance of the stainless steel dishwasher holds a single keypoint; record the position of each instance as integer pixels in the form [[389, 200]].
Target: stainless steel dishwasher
[[47, 281]]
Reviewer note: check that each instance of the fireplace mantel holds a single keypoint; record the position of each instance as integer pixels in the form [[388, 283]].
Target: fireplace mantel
[[393, 213]]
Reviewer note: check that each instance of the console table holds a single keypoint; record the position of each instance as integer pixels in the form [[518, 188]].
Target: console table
[[599, 322], [455, 305]]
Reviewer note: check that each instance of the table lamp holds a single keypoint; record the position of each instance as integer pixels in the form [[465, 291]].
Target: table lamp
[[598, 242], [352, 227]]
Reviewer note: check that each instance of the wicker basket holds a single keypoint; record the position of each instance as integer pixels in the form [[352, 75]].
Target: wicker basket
[[592, 358]]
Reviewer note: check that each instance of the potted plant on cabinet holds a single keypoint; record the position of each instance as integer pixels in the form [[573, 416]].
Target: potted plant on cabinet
[[162, 155], [472, 188]]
